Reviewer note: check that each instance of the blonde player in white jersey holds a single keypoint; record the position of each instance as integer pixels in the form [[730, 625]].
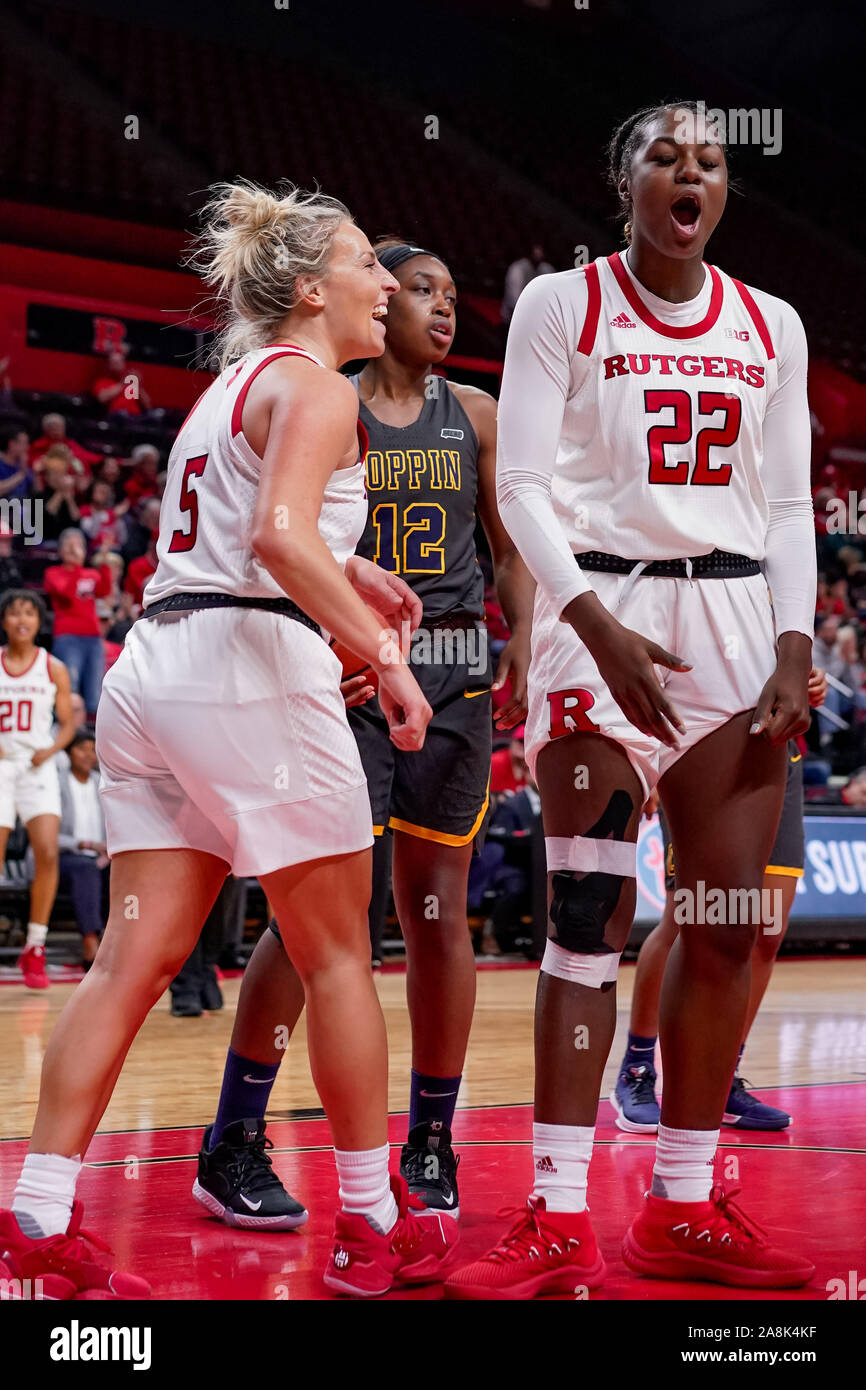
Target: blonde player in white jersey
[[654, 450], [222, 734], [34, 688]]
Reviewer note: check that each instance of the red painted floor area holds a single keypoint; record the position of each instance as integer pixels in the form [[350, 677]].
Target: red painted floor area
[[807, 1185]]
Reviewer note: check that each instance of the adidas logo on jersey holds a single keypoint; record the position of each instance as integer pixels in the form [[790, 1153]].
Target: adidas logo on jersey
[[544, 1165], [622, 321]]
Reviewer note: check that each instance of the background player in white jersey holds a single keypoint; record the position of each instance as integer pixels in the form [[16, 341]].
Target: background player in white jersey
[[34, 687], [222, 734], [654, 450]]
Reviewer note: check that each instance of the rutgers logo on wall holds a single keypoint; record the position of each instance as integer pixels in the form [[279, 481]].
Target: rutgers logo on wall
[[568, 712], [108, 334]]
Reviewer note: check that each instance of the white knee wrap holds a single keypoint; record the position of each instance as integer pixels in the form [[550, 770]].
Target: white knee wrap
[[592, 971], [582, 854], [587, 856]]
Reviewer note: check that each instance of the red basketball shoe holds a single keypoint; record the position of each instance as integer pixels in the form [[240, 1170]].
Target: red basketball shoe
[[367, 1264], [32, 963], [61, 1266], [711, 1240], [545, 1252]]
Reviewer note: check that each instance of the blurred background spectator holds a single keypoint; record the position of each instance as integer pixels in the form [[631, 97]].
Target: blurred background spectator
[[73, 588], [118, 387], [83, 856], [518, 276], [54, 432], [16, 478]]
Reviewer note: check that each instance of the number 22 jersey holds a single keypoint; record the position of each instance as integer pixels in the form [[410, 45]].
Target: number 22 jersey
[[653, 430]]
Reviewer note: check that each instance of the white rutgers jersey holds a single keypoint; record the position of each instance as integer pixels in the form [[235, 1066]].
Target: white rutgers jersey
[[205, 524], [662, 443], [26, 708]]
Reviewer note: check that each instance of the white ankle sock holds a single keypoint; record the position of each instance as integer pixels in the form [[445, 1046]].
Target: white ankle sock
[[36, 934], [43, 1199], [561, 1154], [365, 1185], [683, 1170]]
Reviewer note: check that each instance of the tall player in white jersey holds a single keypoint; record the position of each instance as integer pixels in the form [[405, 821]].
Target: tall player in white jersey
[[653, 470], [34, 687], [222, 734]]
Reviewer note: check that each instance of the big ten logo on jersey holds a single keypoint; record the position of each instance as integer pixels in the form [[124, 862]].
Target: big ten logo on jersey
[[410, 536], [568, 712]]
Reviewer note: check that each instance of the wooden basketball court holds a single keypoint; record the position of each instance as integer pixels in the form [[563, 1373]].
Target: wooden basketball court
[[807, 1054]]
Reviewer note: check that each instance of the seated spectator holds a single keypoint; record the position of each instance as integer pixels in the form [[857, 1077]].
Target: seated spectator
[[101, 520], [518, 276], [141, 482], [109, 471], [119, 388], [54, 432], [116, 623], [16, 479], [836, 653], [502, 871], [142, 530], [10, 575], [57, 494], [852, 794], [7, 399], [79, 719], [139, 572], [508, 769], [826, 603], [83, 856], [72, 590]]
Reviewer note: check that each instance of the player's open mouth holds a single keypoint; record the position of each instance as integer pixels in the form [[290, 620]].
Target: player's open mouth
[[380, 311], [442, 332], [686, 213]]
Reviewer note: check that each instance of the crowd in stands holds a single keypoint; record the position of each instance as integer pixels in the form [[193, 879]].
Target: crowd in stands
[[84, 531]]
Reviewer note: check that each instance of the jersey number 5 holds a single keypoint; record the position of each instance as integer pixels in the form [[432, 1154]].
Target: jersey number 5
[[679, 431], [185, 540]]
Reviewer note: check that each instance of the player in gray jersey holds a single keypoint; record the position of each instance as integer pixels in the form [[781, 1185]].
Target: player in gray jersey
[[430, 472]]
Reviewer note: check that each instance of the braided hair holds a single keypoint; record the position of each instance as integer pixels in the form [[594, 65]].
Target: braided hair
[[625, 141]]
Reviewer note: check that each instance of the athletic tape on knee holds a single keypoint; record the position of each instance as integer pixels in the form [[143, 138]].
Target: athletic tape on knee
[[582, 854], [592, 971]]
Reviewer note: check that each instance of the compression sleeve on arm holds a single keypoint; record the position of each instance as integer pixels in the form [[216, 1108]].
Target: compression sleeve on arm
[[790, 563], [535, 386]]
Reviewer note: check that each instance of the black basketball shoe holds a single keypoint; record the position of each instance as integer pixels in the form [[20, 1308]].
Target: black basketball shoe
[[237, 1183], [429, 1165]]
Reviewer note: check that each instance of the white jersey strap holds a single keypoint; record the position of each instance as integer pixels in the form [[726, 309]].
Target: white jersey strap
[[279, 350]]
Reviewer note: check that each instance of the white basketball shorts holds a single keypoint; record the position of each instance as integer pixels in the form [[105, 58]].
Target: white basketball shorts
[[224, 730], [27, 791], [723, 627]]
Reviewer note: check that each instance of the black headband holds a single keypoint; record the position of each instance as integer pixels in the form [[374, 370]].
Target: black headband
[[392, 256]]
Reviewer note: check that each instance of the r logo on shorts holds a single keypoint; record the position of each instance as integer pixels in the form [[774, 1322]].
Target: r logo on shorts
[[571, 705]]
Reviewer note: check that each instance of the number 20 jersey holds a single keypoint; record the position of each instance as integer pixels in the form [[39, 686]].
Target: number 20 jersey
[[661, 450], [26, 709]]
